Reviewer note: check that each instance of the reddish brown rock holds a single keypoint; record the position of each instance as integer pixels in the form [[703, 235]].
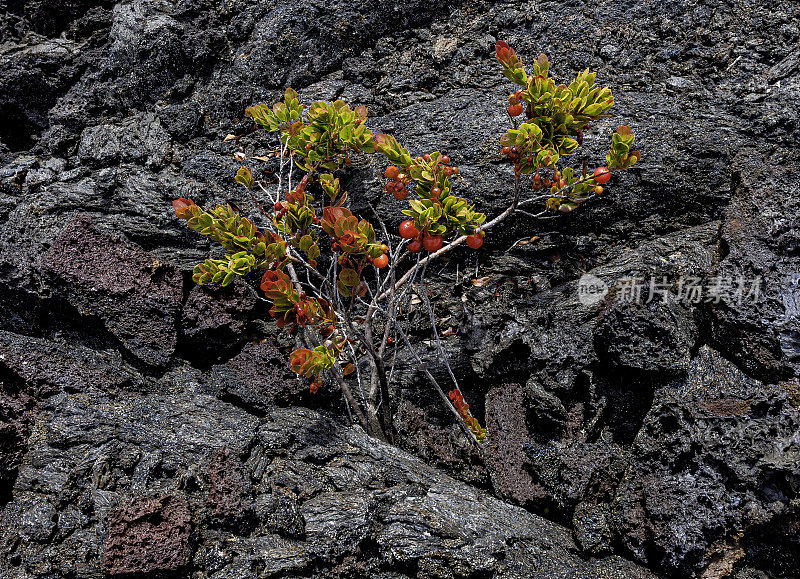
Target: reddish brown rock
[[148, 535], [136, 297], [505, 420], [230, 498]]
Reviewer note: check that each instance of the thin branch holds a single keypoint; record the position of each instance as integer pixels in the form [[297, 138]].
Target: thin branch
[[438, 388]]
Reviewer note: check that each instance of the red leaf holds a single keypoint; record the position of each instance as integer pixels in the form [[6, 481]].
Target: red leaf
[[184, 208]]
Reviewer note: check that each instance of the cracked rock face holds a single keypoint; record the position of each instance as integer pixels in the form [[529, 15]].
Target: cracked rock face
[[149, 427]]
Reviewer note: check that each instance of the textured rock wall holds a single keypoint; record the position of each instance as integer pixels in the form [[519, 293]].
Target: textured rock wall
[[140, 411]]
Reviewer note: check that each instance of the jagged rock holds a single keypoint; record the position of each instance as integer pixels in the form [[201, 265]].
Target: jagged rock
[[592, 530], [214, 319], [505, 419], [757, 323], [281, 515], [148, 535], [258, 377], [140, 139], [230, 500], [715, 461], [352, 492], [33, 369], [136, 297], [16, 406]]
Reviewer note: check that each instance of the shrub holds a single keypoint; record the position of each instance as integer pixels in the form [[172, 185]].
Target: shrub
[[339, 285]]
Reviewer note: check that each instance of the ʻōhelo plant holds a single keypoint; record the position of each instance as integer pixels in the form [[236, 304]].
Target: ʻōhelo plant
[[340, 285]]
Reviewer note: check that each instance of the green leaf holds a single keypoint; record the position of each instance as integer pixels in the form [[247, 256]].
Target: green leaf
[[349, 277]]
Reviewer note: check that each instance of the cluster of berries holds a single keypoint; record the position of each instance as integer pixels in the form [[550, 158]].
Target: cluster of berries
[[419, 239], [432, 243], [399, 180], [463, 410], [397, 185]]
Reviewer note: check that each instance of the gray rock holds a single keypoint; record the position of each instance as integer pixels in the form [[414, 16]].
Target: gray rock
[[140, 139], [111, 109], [717, 458]]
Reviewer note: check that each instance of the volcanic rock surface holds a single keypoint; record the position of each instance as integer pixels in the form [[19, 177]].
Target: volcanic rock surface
[[151, 428]]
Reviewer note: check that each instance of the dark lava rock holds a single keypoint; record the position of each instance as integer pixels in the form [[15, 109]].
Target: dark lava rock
[[32, 370], [654, 337], [717, 460], [760, 330], [136, 296], [140, 140], [148, 535], [17, 405], [281, 514], [505, 419], [258, 377], [592, 529], [121, 459], [214, 319], [230, 496], [113, 390]]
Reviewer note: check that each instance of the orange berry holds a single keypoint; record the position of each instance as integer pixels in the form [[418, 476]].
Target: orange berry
[[407, 230], [474, 241], [414, 246], [515, 110], [602, 175], [381, 261], [391, 172]]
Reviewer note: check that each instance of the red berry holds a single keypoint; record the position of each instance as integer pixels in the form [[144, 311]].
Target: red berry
[[391, 172], [414, 246], [408, 231], [432, 243], [401, 193], [515, 110], [435, 192], [445, 159], [602, 175], [381, 261], [474, 241]]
